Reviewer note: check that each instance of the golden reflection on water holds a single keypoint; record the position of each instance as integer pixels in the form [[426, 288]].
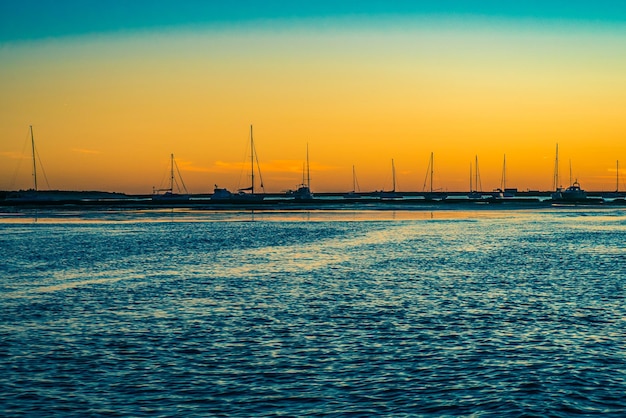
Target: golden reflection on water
[[198, 215]]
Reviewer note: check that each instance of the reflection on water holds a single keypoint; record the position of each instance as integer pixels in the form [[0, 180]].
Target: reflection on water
[[190, 312], [199, 215]]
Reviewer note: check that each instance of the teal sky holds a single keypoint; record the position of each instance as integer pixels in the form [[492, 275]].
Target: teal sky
[[39, 19], [112, 87]]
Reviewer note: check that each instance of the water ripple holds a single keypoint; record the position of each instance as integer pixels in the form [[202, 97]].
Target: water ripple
[[520, 315]]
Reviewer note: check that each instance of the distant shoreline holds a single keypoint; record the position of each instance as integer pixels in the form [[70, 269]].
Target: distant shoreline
[[278, 201]]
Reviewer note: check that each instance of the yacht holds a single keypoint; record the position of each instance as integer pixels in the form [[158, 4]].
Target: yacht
[[574, 193]]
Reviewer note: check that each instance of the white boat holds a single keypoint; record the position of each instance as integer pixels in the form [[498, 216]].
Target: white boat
[[168, 194], [246, 194], [432, 194]]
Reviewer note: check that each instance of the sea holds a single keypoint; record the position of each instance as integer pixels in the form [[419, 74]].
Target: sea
[[198, 313]]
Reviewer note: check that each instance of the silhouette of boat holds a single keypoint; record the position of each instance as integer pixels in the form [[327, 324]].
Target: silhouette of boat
[[355, 185], [432, 194], [32, 195], [558, 190], [616, 194], [168, 194], [474, 192], [303, 192], [574, 193], [391, 194], [503, 192], [241, 195]]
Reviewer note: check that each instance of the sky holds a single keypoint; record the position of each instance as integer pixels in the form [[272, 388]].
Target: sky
[[113, 88]]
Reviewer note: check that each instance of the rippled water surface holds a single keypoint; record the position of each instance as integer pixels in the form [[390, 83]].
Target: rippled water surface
[[493, 313]]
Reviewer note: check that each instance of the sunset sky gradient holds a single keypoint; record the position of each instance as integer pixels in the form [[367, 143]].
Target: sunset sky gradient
[[112, 88]]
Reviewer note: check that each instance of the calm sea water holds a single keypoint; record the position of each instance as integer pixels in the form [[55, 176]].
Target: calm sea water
[[191, 313]]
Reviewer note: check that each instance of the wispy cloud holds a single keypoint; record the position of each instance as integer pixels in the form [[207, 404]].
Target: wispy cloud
[[85, 151], [274, 166], [13, 155]]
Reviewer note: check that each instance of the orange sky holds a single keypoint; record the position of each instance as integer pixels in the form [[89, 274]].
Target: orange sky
[[107, 110]]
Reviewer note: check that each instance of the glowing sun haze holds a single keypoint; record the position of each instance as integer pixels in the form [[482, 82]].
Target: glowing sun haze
[[108, 106]]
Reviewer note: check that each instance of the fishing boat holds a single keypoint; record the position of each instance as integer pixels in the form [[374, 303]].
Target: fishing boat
[[432, 194], [220, 193], [574, 193], [391, 194], [303, 192], [474, 192], [168, 194], [246, 194]]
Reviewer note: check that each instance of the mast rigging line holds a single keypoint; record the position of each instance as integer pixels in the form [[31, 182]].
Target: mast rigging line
[[256, 156], [180, 177]]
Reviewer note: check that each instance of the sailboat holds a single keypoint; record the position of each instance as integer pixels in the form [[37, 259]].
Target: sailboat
[[391, 194], [432, 194], [33, 194], [241, 195], [303, 192], [558, 189], [503, 191], [355, 185], [474, 190], [169, 194], [616, 193]]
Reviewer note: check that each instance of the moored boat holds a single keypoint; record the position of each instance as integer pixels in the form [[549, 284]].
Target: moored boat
[[303, 192], [168, 193], [246, 194], [390, 194], [475, 192], [574, 193], [432, 194]]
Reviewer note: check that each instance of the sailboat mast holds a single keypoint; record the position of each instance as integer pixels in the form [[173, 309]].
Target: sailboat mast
[[476, 174], [32, 142], [393, 175], [308, 171], [503, 185], [171, 173], [252, 159], [617, 177], [556, 168], [432, 170]]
